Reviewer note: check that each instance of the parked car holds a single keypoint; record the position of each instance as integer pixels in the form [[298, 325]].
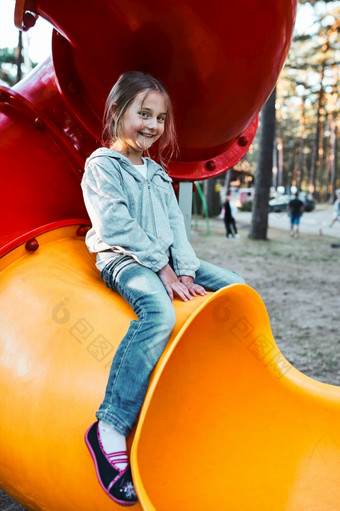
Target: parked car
[[280, 203], [308, 200]]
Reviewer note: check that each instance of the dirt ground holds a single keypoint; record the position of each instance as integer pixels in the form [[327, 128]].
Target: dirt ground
[[299, 282]]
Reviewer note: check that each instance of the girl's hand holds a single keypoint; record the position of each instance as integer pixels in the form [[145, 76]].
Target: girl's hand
[[173, 285], [194, 289]]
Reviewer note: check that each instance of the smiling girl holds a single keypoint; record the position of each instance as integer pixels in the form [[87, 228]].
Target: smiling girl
[[142, 252]]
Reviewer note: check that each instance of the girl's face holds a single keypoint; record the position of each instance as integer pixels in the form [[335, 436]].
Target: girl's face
[[142, 124]]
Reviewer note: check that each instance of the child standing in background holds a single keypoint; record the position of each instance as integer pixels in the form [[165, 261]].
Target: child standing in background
[[143, 254], [229, 219], [295, 210]]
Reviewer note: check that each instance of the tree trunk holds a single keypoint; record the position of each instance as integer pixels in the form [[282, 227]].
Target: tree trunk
[[328, 151], [301, 162], [227, 182], [333, 135], [279, 161], [302, 135], [212, 196], [333, 159], [275, 166], [316, 152], [264, 171]]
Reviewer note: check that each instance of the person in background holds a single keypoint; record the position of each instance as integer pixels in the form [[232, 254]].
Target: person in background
[[229, 219], [336, 209], [295, 210]]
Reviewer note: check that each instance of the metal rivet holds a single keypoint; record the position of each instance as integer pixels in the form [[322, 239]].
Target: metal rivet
[[39, 123], [32, 245], [242, 141], [28, 20], [210, 165]]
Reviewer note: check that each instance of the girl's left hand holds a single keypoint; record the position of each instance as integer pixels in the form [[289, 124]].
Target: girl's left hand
[[194, 289]]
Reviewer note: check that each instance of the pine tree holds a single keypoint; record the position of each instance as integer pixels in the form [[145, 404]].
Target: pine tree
[[263, 176]]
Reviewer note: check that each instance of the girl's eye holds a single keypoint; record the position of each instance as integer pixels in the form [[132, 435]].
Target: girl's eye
[[161, 118], [145, 115]]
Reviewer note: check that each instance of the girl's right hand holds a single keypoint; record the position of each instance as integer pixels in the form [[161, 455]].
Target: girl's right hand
[[172, 284]]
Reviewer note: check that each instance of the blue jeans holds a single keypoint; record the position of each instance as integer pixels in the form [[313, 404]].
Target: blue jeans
[[145, 340]]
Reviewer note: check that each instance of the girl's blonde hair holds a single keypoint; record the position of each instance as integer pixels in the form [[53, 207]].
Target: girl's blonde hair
[[122, 94]]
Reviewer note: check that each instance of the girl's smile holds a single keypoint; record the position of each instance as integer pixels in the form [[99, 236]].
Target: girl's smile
[[142, 124]]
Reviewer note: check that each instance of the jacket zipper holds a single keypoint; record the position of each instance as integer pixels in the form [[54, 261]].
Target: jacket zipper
[[152, 210]]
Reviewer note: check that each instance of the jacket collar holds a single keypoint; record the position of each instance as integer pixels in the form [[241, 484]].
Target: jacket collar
[[153, 167]]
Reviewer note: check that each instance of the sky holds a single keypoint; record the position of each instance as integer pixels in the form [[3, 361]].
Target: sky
[[39, 36]]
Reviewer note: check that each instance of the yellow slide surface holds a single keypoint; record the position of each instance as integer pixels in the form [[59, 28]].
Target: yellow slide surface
[[227, 423]]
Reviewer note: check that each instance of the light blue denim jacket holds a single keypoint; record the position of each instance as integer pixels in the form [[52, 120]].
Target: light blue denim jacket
[[133, 215]]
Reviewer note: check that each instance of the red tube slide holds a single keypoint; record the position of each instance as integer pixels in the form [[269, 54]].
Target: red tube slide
[[219, 61]]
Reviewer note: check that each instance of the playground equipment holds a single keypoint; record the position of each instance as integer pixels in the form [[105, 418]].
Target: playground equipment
[[244, 430], [219, 64], [227, 424], [272, 439]]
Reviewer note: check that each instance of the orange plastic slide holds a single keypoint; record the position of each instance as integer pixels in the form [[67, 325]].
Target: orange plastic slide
[[228, 424]]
